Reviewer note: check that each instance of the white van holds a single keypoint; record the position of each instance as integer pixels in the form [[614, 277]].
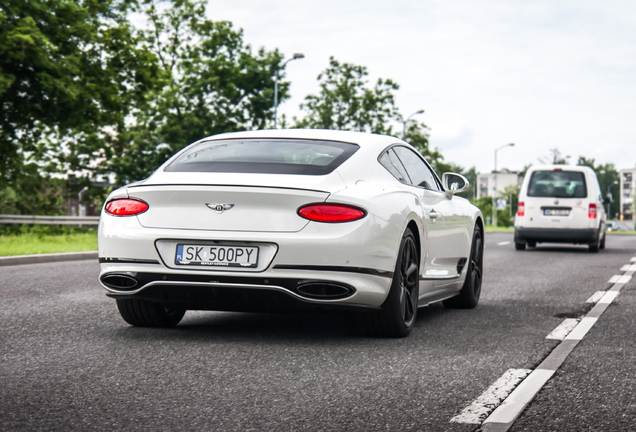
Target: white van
[[560, 204]]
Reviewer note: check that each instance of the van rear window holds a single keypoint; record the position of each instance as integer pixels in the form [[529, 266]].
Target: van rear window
[[557, 184]]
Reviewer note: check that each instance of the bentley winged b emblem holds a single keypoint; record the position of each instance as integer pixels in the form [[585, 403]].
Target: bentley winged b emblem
[[219, 208]]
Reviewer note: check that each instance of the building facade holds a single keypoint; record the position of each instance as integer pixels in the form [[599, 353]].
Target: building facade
[[628, 190], [486, 182]]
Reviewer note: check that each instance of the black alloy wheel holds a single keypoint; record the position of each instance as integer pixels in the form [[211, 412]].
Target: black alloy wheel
[[408, 280], [468, 297], [398, 314]]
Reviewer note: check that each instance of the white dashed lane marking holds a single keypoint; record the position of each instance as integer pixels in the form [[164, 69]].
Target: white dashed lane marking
[[503, 243], [616, 279], [518, 387], [481, 407], [563, 329], [596, 297]]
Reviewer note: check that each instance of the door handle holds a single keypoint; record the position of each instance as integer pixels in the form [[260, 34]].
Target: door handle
[[433, 215]]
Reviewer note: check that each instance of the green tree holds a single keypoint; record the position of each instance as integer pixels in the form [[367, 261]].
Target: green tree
[[471, 176], [417, 134], [347, 102], [211, 82], [555, 158], [608, 179], [69, 70], [511, 195], [33, 193]]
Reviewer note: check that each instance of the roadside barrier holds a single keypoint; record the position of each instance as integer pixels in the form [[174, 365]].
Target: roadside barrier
[[49, 220]]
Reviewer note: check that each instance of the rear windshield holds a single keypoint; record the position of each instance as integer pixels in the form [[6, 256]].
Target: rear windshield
[[557, 184], [272, 156]]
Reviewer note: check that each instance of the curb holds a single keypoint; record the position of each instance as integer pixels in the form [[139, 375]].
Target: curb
[[47, 258]]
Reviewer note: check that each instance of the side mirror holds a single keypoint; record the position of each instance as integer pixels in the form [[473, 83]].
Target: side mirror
[[454, 183], [608, 199]]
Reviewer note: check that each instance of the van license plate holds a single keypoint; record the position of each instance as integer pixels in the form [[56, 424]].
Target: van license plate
[[217, 256], [556, 212]]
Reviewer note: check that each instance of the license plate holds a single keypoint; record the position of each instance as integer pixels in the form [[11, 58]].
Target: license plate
[[556, 212], [217, 256]]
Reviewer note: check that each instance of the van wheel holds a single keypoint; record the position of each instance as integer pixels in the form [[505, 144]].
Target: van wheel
[[594, 247], [520, 246], [602, 246]]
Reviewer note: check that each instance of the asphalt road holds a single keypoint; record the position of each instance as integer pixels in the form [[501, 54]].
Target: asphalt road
[[69, 362]]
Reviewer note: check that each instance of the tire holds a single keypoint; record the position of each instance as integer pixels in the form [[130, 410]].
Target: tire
[[532, 244], [398, 314], [142, 313], [602, 245], [594, 247], [468, 297], [520, 246]]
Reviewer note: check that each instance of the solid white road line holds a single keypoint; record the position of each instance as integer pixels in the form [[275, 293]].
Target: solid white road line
[[481, 407], [563, 329], [520, 397], [505, 415], [581, 329], [609, 297]]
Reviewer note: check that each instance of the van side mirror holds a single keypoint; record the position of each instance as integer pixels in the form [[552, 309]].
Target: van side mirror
[[454, 183]]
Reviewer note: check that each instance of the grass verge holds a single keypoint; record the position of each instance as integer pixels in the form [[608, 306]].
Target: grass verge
[[45, 240]]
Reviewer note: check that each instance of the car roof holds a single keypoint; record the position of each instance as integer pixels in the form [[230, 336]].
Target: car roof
[[373, 142]]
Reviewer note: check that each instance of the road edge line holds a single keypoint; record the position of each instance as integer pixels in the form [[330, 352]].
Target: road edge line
[[47, 258]]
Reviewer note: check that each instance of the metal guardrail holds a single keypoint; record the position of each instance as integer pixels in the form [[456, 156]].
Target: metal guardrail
[[49, 220]]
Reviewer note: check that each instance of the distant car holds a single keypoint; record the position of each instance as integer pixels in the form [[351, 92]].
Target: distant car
[[560, 204], [292, 220]]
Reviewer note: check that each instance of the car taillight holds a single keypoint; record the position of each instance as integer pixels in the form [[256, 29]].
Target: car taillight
[[331, 212], [592, 212], [126, 207], [521, 209]]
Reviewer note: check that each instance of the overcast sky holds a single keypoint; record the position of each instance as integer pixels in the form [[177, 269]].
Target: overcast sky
[[542, 74]]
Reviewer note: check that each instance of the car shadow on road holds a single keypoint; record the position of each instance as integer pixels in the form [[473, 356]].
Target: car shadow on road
[[569, 249], [269, 327]]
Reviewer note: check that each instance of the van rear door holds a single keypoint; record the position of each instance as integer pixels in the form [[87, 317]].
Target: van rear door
[[557, 198]]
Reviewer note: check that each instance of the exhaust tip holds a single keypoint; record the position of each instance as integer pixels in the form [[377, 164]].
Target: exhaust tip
[[120, 282], [319, 290]]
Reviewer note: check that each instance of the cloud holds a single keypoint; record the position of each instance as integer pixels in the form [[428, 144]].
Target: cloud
[[542, 74]]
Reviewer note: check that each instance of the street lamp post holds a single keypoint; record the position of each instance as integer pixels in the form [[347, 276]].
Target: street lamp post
[[407, 120], [608, 195], [296, 56], [494, 196]]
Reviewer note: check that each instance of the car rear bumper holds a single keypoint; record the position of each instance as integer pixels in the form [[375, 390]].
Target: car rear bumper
[[249, 293], [553, 235]]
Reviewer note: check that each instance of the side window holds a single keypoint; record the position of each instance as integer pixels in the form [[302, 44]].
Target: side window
[[420, 174], [390, 161]]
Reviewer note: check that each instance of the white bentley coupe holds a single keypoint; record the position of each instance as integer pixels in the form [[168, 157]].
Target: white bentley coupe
[[281, 220]]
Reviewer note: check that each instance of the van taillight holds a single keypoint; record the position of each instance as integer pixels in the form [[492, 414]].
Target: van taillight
[[521, 209], [592, 212]]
